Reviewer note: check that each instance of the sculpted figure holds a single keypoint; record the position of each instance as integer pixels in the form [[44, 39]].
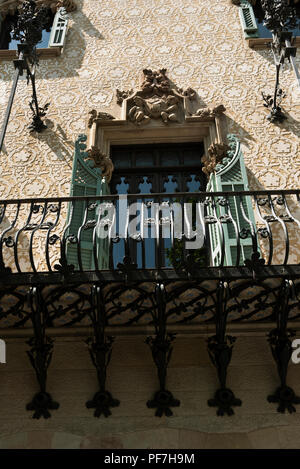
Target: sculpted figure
[[138, 113]]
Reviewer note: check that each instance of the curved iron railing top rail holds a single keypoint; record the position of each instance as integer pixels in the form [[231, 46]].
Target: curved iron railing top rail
[[185, 231]]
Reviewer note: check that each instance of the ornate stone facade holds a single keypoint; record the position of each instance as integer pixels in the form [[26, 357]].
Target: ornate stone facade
[[203, 47]]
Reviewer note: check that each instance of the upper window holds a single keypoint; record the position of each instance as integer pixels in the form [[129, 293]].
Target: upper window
[[252, 19], [6, 32], [53, 34]]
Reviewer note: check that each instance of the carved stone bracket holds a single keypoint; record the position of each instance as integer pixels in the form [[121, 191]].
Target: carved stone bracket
[[98, 116], [101, 161], [215, 154], [40, 355], [100, 348], [206, 112], [281, 347], [220, 351], [161, 347]]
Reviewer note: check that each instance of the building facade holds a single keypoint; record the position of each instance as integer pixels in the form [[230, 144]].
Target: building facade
[[149, 98]]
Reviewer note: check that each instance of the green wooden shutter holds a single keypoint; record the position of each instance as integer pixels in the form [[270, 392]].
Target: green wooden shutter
[[248, 20], [86, 180], [231, 176], [59, 29]]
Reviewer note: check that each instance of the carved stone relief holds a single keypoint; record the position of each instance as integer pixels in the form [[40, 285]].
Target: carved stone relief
[[157, 99]]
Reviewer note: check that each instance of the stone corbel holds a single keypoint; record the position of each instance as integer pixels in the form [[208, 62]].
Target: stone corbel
[[98, 116], [101, 161], [215, 154]]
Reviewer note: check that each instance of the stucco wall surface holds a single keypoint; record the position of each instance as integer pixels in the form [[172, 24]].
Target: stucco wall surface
[[132, 379]]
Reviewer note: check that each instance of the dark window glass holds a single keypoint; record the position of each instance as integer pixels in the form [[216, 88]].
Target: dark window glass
[[259, 14], [8, 43], [146, 169]]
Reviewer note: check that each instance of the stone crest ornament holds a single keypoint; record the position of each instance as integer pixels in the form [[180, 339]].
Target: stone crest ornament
[[165, 107], [157, 99]]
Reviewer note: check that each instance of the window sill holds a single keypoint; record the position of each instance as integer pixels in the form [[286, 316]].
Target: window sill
[[42, 53], [262, 43]]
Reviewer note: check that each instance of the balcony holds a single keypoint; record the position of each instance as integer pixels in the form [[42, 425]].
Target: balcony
[[242, 237], [152, 262]]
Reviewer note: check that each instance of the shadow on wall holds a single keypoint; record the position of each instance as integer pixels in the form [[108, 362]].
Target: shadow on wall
[[57, 141]]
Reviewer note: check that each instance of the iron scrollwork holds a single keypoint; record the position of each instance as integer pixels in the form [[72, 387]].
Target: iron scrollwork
[[161, 348], [40, 355], [100, 349], [281, 347], [220, 351]]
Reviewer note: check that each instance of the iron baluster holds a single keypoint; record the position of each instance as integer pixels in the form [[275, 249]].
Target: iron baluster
[[161, 348], [38, 226], [265, 232], [3, 268], [221, 230], [34, 208], [63, 266], [40, 355], [235, 226], [281, 347], [100, 349], [220, 351], [285, 231], [54, 237], [252, 226]]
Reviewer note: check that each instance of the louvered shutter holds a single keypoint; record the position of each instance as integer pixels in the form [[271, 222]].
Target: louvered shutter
[[86, 180], [59, 29], [248, 20], [232, 176]]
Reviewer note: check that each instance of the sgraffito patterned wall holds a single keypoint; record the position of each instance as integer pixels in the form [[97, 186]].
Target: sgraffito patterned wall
[[108, 44]]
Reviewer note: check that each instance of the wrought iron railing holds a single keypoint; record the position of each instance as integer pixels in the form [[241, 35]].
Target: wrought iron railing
[[183, 231]]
